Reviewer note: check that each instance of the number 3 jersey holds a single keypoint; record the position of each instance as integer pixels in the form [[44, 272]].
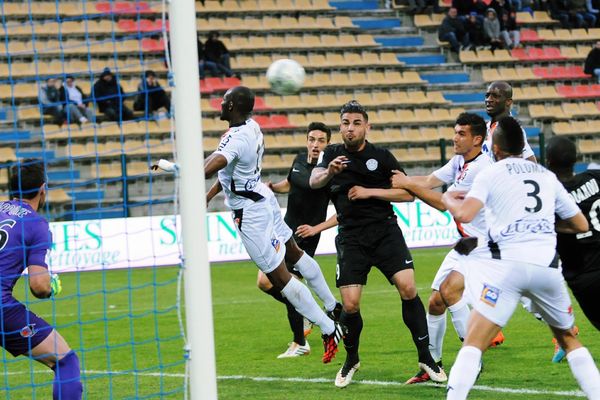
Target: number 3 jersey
[[243, 147], [24, 240], [520, 199], [580, 254]]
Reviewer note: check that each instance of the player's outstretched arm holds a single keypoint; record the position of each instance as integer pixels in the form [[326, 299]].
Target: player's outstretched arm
[[397, 195], [573, 225], [305, 231], [320, 177], [463, 210], [279, 187], [420, 186], [213, 191], [39, 281], [214, 163]]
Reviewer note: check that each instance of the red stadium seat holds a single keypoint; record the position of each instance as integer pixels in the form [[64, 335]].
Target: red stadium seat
[[259, 104], [281, 121], [537, 54], [205, 87], [530, 35], [124, 7], [578, 91], [153, 45], [263, 120], [127, 25], [215, 102]]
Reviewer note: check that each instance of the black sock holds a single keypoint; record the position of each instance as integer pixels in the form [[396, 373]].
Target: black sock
[[295, 319], [354, 324], [413, 314]]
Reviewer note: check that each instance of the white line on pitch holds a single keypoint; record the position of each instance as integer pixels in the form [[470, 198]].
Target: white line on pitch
[[483, 388]]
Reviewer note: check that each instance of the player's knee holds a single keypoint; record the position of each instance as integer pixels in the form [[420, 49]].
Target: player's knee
[[407, 290], [436, 304], [293, 253], [351, 307], [263, 283], [452, 288]]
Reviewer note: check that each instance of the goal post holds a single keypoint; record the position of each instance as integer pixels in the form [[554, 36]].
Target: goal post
[[201, 374]]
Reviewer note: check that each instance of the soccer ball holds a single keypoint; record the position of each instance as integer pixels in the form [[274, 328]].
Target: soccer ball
[[285, 76]]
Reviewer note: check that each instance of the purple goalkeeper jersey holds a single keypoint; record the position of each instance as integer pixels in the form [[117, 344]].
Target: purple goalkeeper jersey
[[24, 240]]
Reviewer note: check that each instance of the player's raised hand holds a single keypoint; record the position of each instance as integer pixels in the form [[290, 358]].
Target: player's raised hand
[[55, 285], [358, 193], [399, 180], [337, 165], [306, 231], [165, 165]]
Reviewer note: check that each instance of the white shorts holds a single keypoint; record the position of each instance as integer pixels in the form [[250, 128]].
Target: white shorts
[[263, 233], [496, 287], [452, 262]]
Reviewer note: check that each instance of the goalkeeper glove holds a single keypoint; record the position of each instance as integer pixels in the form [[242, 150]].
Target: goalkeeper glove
[[165, 165], [55, 285]]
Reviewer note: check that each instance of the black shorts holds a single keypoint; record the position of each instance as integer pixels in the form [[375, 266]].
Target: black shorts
[[380, 245], [586, 294]]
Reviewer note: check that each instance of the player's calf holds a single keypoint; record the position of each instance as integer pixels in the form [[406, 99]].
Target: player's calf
[[67, 378]]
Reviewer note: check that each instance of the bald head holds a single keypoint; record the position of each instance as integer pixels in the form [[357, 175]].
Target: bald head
[[237, 104], [498, 99]]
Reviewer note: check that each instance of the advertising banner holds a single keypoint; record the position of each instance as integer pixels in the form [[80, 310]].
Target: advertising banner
[[153, 241]]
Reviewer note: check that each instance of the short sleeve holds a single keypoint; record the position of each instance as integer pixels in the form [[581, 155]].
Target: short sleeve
[[447, 172], [527, 151], [393, 163], [38, 243], [565, 206], [480, 188], [231, 147], [325, 157]]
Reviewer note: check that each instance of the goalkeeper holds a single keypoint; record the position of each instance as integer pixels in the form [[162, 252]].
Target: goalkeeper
[[24, 241]]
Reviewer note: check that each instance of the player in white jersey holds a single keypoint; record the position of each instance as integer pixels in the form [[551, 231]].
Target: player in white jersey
[[498, 102], [448, 284], [521, 199], [258, 218]]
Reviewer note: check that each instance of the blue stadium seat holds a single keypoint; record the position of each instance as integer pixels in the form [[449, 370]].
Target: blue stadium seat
[[14, 136], [532, 131], [355, 5], [423, 60], [465, 97], [87, 195], [447, 78], [581, 167], [407, 41], [63, 175], [536, 151], [36, 154], [94, 213], [386, 23]]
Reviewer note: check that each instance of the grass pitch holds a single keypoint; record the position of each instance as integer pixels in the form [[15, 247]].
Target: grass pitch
[[124, 326]]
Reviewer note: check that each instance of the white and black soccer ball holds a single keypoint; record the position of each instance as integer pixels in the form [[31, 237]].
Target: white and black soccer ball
[[285, 76]]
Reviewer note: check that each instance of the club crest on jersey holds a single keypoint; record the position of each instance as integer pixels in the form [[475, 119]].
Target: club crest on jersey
[[276, 244], [372, 164], [28, 331], [490, 295]]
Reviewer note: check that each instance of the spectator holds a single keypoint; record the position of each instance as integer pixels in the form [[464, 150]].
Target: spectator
[[491, 29], [560, 11], [204, 64], [474, 29], [109, 95], [452, 30], [465, 7], [510, 31], [215, 51], [580, 16], [50, 101], [151, 96], [591, 7], [592, 62], [72, 97], [420, 6]]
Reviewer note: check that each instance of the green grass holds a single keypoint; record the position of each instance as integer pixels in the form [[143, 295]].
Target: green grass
[[251, 330]]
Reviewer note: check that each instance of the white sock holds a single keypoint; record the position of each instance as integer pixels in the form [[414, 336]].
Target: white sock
[[585, 371], [463, 373], [311, 271], [436, 324], [459, 313], [300, 297]]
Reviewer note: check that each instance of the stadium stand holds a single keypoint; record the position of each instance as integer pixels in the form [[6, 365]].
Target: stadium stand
[[386, 59]]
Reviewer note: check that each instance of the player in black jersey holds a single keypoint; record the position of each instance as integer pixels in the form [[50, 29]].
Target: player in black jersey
[[580, 254], [359, 174], [305, 215]]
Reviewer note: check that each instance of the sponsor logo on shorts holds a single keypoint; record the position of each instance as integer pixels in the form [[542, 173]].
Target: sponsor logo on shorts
[[276, 244], [490, 295], [372, 164], [28, 331]]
